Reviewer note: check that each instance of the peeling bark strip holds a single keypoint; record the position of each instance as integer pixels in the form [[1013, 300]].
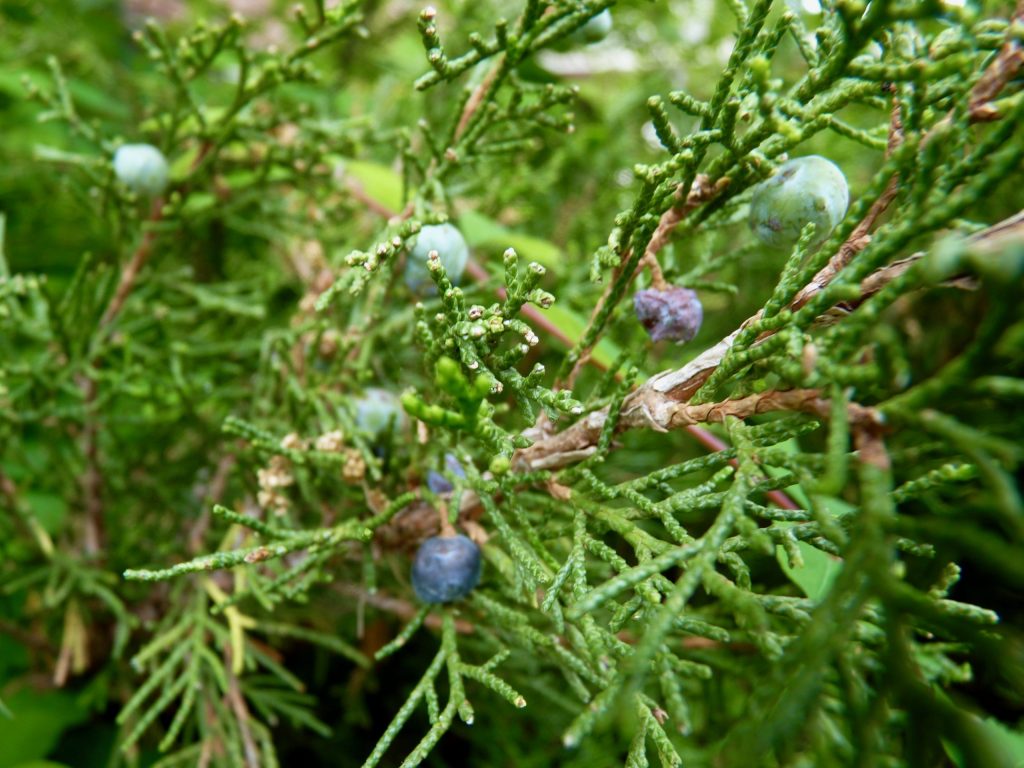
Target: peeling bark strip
[[650, 409], [804, 400]]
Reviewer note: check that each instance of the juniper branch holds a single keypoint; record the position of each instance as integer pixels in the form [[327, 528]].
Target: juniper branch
[[650, 404]]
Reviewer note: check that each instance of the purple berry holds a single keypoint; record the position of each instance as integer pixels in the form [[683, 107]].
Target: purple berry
[[440, 484], [674, 314], [446, 568]]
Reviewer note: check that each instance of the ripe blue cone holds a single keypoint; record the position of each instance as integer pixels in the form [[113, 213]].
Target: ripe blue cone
[[451, 249], [142, 168], [440, 484], [446, 568], [804, 190]]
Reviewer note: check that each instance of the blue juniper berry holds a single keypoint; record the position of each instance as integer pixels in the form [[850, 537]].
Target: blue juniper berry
[[446, 568]]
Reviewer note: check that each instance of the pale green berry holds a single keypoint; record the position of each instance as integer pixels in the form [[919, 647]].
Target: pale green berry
[[377, 410], [595, 30], [804, 190], [142, 168], [451, 250]]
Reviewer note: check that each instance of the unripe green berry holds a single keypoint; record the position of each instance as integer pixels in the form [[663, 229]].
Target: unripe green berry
[[804, 190], [500, 465], [378, 409], [451, 249], [595, 30], [142, 168]]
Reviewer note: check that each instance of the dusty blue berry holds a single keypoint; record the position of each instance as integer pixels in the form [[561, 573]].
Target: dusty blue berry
[[804, 190], [451, 249], [142, 168], [437, 482], [376, 410], [446, 568], [674, 314]]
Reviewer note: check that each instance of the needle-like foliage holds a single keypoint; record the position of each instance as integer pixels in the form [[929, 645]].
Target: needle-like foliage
[[793, 541]]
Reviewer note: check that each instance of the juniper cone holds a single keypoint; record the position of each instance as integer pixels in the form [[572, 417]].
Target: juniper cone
[[673, 314], [802, 191], [446, 568], [596, 28], [437, 482], [451, 248], [378, 409], [142, 168]]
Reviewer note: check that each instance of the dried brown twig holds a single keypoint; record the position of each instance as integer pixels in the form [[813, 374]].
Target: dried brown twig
[[131, 271], [1001, 71], [477, 98], [236, 701], [861, 235], [655, 410]]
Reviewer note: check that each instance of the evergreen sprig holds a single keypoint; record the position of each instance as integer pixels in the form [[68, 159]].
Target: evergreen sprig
[[235, 387]]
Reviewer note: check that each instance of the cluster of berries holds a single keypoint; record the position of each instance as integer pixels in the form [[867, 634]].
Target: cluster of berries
[[805, 190]]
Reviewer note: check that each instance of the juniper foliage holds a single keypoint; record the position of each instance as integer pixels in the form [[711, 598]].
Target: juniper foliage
[[794, 541]]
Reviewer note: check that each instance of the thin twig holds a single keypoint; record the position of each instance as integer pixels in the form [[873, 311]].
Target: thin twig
[[477, 98], [237, 702], [134, 266], [211, 494], [356, 189], [92, 479], [700, 192]]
